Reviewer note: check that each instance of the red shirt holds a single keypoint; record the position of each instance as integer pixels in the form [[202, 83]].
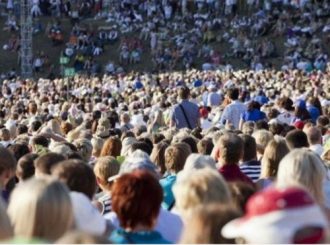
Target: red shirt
[[232, 173]]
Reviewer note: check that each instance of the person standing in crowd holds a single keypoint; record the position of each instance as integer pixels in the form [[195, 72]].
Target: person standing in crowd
[[185, 114], [233, 112]]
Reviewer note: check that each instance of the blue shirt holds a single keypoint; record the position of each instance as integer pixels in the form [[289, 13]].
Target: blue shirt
[[254, 115], [314, 112], [121, 236], [167, 184], [192, 113]]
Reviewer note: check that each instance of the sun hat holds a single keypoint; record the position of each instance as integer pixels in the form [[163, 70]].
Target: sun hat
[[275, 215]]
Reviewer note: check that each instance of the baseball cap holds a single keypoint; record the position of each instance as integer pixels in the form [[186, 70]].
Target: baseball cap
[[275, 216]]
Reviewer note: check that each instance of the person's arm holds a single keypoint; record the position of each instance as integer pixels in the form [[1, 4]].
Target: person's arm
[[224, 117]]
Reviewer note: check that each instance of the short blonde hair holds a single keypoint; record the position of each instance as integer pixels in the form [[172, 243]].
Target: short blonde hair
[[106, 167], [304, 168], [262, 138], [97, 144], [176, 155], [41, 208], [200, 186]]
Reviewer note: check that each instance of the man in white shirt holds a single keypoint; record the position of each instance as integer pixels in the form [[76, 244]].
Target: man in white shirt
[[232, 112]]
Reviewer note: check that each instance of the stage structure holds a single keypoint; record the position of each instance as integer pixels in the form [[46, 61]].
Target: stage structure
[[26, 39]]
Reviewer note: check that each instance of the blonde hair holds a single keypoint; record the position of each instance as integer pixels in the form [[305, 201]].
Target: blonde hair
[[200, 186], [262, 138], [274, 152], [206, 222], [6, 231], [105, 168], [41, 208], [97, 144], [175, 156], [304, 168]]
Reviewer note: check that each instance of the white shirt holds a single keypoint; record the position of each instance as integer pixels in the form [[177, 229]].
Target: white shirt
[[233, 112], [318, 149], [169, 225]]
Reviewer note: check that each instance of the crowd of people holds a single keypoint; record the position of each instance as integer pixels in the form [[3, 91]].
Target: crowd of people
[[211, 155], [175, 157], [170, 34]]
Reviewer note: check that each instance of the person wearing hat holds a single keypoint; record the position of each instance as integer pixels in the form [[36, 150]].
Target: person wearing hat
[[279, 216]]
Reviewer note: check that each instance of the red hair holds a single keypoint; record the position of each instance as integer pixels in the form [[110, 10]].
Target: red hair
[[136, 199]]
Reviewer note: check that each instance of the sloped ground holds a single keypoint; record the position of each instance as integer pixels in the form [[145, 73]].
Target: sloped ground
[[41, 43]]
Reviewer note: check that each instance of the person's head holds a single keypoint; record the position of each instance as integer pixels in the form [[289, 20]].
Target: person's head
[[39, 140], [41, 208], [19, 150], [143, 146], [4, 134], [105, 167], [229, 149], [6, 229], [241, 192], [248, 127], [302, 167], [136, 199], [21, 129], [249, 148], [184, 93], [111, 147], [198, 187], [125, 118], [7, 166], [233, 93], [84, 148], [198, 161], [66, 127], [157, 156], [77, 175], [205, 146], [175, 156], [206, 222], [262, 138], [97, 144], [275, 150], [80, 237], [296, 139], [279, 216], [25, 167], [44, 164], [314, 136]]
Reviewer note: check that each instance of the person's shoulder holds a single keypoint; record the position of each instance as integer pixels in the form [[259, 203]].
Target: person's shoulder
[[118, 236]]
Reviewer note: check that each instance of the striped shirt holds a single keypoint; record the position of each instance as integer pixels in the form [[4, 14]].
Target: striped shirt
[[251, 169], [106, 202]]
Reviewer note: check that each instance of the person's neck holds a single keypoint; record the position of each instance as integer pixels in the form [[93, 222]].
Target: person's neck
[[139, 228]]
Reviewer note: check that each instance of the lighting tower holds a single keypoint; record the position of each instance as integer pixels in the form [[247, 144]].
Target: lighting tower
[[26, 39]]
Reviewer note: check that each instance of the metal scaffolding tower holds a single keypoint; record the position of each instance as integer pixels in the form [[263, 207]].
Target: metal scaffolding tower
[[26, 39]]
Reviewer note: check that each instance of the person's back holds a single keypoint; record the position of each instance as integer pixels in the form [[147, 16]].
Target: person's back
[[233, 112], [186, 113]]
